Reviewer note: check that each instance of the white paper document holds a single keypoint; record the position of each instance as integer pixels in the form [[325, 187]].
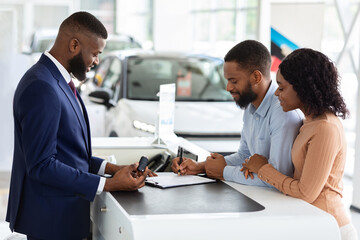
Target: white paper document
[[168, 180]]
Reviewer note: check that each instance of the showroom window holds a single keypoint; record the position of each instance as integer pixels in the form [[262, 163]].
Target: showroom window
[[341, 28], [102, 9], [223, 22], [142, 15], [136, 19], [52, 13]]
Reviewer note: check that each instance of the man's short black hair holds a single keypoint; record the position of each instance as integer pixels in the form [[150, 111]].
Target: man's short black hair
[[250, 55], [84, 21]]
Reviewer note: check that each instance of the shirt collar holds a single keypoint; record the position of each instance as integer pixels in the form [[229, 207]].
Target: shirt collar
[[66, 75], [266, 102]]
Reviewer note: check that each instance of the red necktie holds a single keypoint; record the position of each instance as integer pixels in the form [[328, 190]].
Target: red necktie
[[72, 86]]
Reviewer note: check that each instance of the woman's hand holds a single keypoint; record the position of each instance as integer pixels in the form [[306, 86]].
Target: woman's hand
[[255, 162], [247, 172]]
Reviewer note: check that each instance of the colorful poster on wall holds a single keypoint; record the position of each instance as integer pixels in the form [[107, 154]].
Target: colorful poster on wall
[[280, 48]]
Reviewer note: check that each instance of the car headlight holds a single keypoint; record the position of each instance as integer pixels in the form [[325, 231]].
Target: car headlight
[[82, 87], [143, 126]]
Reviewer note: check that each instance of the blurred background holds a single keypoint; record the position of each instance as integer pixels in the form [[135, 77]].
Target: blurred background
[[208, 27], [204, 27]]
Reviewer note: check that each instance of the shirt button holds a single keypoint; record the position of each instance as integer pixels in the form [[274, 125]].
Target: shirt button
[[257, 118]]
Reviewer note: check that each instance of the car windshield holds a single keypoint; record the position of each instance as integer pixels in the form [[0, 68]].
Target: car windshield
[[196, 79], [113, 45], [43, 45]]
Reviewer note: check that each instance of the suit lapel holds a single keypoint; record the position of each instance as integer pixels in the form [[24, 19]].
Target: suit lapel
[[75, 105], [71, 97], [87, 124]]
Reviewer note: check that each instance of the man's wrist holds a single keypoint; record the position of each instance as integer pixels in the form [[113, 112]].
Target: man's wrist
[[112, 168], [201, 167], [108, 185]]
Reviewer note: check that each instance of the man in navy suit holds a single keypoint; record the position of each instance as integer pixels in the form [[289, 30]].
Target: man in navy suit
[[54, 175]]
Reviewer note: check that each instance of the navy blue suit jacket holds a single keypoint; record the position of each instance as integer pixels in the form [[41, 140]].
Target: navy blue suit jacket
[[53, 176]]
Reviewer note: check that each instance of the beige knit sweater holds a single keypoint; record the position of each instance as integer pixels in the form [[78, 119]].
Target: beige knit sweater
[[318, 155]]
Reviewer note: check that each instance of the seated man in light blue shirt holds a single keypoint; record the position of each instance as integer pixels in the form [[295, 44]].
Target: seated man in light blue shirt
[[267, 130]]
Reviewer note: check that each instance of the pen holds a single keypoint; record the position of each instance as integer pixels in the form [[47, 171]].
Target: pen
[[180, 159]]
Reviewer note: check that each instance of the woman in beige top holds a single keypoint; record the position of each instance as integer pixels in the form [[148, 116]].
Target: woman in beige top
[[308, 80]]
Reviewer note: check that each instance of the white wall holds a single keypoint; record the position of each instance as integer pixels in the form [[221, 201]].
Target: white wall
[[7, 48], [302, 23], [172, 25], [17, 23], [11, 67]]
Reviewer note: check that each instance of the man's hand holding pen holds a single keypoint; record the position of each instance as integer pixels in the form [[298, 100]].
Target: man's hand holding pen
[[187, 166], [180, 159]]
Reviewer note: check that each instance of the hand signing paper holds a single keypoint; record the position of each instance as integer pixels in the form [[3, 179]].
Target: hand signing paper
[[187, 167]]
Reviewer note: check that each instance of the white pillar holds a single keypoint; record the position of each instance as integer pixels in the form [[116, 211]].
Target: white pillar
[[8, 47], [263, 30], [356, 176]]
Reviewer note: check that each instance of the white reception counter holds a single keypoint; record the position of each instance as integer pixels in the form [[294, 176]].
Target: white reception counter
[[130, 215]]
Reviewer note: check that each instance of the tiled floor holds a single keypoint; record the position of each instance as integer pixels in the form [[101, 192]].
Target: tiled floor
[[5, 233]]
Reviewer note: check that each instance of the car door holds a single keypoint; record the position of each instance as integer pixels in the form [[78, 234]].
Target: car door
[[111, 83]]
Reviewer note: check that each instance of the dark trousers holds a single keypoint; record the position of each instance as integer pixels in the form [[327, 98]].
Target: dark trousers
[[32, 238]]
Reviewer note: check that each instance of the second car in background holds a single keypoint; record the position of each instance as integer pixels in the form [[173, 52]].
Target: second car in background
[[127, 83]]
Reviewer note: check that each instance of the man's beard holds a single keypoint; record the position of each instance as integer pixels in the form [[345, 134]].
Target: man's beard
[[77, 67], [246, 97]]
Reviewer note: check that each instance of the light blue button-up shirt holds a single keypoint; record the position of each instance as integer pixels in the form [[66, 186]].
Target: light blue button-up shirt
[[268, 131]]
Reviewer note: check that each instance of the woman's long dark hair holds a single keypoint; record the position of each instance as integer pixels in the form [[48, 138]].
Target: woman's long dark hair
[[315, 79]]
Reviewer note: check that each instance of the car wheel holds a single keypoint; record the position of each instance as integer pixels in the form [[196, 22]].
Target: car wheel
[[113, 134]]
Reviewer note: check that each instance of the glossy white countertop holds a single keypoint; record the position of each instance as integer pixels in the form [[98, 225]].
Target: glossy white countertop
[[284, 217]]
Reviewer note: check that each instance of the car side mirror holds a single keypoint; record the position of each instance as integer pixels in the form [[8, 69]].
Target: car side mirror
[[103, 97], [25, 52], [100, 96]]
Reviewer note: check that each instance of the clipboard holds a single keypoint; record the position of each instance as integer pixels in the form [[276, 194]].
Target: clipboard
[[170, 180]]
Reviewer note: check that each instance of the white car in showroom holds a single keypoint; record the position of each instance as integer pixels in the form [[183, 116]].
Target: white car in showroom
[[127, 83]]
